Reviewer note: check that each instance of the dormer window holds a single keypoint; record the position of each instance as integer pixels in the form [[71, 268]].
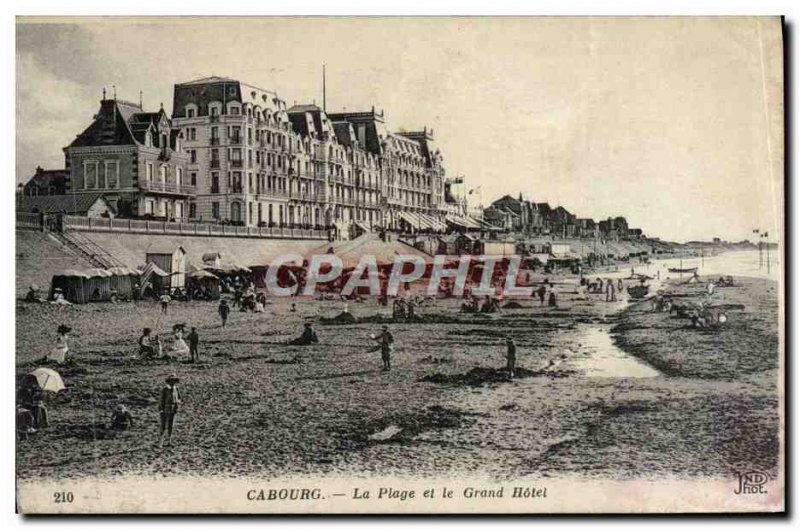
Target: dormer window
[[148, 139], [190, 113]]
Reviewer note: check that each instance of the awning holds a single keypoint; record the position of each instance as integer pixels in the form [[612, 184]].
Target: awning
[[152, 268], [464, 222], [422, 221], [202, 274], [123, 271]]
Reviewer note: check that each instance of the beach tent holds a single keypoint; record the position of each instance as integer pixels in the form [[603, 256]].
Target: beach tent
[[94, 284], [205, 280], [171, 259], [153, 274]]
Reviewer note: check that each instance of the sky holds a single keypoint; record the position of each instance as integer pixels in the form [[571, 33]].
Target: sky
[[674, 123]]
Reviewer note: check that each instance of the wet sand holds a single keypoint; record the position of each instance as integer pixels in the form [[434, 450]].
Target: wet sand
[[259, 408]]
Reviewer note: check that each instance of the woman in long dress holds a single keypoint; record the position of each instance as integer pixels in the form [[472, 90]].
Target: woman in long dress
[[179, 346], [59, 352]]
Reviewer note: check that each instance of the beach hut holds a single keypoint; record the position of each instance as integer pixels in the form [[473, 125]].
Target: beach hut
[[172, 260], [72, 284], [123, 280], [205, 281]]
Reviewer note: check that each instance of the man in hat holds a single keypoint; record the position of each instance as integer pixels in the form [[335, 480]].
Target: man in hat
[[224, 309], [121, 419], [194, 345], [511, 356], [168, 408], [386, 344], [307, 338], [146, 349]]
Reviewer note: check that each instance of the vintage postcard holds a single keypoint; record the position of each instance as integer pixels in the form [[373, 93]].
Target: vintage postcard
[[400, 265]]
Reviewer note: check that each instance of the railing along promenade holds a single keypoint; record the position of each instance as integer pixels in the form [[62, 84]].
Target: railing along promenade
[[56, 222]]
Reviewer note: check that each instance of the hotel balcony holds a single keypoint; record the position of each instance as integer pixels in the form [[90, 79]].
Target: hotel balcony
[[167, 188]]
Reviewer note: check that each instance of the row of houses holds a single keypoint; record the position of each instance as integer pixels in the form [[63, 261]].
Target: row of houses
[[525, 216]]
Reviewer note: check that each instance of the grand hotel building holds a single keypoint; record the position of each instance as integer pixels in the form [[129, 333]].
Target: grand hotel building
[[252, 160]]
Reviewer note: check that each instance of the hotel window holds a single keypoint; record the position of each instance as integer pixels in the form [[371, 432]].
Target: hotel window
[[190, 113], [235, 111], [193, 178], [149, 171], [179, 176], [162, 173], [90, 175], [148, 207], [215, 182], [192, 133], [193, 156], [192, 210], [112, 174], [215, 210]]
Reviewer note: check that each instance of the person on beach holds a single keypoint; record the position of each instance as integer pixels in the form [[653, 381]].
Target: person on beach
[[386, 345], [620, 285], [31, 397], [551, 300], [59, 353], [158, 346], [194, 344], [710, 288], [293, 308], [307, 338], [121, 418], [511, 356], [179, 347], [224, 310], [58, 298], [610, 291], [164, 299], [168, 407], [542, 291], [146, 348]]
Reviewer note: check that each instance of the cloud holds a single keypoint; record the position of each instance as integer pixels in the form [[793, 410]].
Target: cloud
[[49, 115]]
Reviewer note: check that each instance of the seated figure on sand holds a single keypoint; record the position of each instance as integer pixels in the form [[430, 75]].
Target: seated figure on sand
[[121, 418], [308, 337]]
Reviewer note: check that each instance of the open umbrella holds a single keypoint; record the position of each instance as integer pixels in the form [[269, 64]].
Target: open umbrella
[[48, 379]]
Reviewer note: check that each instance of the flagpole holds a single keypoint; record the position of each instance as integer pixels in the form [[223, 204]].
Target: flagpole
[[766, 236]]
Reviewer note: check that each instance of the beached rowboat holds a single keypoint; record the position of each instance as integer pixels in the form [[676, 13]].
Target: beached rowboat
[[682, 270]]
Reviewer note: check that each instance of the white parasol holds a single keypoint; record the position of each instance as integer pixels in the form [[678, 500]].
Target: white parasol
[[48, 379]]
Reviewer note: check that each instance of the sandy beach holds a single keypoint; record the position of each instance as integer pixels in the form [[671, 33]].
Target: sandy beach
[[595, 397]]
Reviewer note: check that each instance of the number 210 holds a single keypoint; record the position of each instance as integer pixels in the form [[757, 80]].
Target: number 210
[[63, 497]]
